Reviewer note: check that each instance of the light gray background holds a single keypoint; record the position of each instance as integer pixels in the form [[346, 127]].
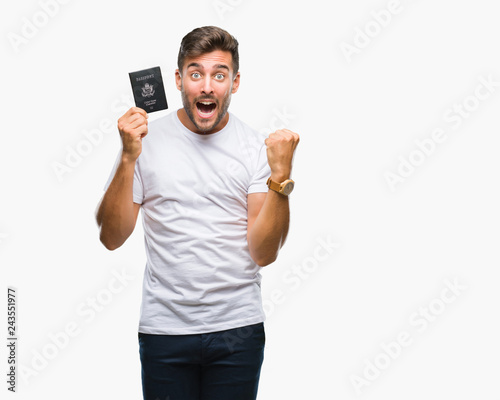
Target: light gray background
[[357, 120]]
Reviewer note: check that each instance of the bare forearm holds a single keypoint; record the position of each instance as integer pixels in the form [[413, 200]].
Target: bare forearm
[[269, 231], [116, 215]]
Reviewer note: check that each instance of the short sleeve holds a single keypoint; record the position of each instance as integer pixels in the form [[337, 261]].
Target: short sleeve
[[138, 192], [262, 173]]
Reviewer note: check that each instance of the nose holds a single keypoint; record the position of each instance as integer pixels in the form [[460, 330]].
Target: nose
[[207, 85]]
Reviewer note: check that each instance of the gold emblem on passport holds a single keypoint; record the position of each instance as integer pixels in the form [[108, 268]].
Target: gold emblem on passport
[[148, 90]]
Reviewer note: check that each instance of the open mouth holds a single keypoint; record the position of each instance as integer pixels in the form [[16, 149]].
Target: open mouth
[[206, 109]]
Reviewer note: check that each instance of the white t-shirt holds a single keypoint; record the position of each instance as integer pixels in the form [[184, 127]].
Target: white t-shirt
[[193, 188]]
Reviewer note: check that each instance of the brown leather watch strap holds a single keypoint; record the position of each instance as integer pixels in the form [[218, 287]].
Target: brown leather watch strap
[[273, 185]]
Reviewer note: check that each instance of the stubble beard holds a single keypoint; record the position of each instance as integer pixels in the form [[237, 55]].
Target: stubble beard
[[188, 107]]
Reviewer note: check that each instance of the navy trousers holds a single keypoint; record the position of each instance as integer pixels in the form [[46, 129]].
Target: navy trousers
[[222, 365]]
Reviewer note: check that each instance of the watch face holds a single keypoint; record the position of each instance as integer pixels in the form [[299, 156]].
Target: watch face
[[288, 188]]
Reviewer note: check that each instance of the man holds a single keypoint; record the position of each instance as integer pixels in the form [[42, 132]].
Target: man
[[214, 199]]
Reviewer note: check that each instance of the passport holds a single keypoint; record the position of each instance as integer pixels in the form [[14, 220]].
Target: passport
[[149, 93]]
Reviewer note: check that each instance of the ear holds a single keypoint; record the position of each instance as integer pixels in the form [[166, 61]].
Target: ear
[[178, 79], [236, 83]]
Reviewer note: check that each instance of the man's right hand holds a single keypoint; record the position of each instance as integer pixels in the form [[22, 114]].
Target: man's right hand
[[133, 126]]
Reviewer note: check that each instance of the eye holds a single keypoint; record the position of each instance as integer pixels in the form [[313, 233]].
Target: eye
[[195, 75], [219, 77]]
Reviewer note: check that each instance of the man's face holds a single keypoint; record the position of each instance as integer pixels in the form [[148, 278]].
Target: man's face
[[206, 84]]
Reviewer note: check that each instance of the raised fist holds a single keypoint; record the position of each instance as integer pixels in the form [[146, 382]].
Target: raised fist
[[280, 149]]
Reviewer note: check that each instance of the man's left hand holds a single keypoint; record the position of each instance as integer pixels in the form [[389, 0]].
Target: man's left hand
[[280, 149]]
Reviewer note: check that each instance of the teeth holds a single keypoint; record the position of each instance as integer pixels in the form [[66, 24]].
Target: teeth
[[207, 103]]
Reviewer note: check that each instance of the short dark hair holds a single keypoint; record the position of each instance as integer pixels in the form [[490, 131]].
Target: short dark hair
[[205, 40]]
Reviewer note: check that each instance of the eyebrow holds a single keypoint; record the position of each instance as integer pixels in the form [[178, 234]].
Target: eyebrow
[[219, 66], [222, 66]]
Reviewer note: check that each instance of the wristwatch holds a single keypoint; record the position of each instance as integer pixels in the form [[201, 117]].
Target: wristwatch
[[284, 188]]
